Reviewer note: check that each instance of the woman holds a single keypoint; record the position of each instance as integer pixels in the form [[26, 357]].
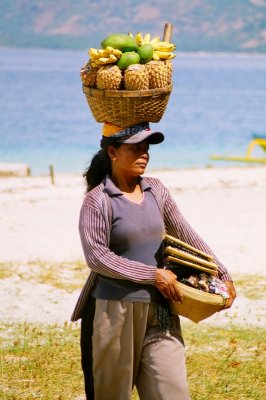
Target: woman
[[127, 336]]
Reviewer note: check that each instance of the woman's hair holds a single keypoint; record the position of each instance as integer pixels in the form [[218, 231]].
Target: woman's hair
[[100, 165]]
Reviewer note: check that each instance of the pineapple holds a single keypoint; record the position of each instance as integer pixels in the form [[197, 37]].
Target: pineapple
[[88, 75], [136, 77], [109, 77], [169, 71], [158, 75]]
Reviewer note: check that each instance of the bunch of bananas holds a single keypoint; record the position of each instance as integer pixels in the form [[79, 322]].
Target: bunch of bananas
[[100, 57], [162, 49], [146, 39]]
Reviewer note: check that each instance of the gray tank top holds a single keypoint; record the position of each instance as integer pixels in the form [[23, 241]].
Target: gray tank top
[[137, 231]]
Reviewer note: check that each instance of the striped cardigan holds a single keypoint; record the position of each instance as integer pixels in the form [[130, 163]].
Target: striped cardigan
[[95, 228]]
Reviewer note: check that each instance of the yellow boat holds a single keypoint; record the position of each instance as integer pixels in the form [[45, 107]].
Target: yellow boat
[[258, 140]]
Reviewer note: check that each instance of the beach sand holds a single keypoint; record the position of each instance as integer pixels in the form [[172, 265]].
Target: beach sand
[[39, 221]]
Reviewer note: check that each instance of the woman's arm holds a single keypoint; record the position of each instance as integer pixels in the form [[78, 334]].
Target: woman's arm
[[176, 225]]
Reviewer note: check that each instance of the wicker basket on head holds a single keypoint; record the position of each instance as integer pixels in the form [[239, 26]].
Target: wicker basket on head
[[196, 305], [127, 107]]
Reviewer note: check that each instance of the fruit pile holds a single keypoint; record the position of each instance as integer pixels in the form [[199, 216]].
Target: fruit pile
[[127, 62]]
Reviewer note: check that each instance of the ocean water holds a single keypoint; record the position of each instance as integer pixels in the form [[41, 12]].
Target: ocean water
[[217, 103]]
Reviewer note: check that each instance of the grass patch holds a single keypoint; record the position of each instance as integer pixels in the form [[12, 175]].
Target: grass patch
[[67, 276], [40, 362], [225, 363], [251, 286], [6, 270], [43, 362], [72, 275]]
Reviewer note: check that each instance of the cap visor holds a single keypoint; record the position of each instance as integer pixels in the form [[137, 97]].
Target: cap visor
[[152, 137]]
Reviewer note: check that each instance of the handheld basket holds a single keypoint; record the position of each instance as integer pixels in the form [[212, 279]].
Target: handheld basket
[[196, 305], [127, 107]]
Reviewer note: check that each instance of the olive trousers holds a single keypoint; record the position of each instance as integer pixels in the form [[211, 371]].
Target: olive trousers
[[128, 348]]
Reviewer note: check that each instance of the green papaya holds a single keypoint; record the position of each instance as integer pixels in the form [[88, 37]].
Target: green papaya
[[120, 41], [145, 53], [128, 58]]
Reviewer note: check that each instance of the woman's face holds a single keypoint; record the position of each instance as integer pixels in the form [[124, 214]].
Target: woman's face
[[129, 159]]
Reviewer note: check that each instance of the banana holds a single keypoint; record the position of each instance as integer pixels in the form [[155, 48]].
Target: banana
[[103, 53], [111, 50], [113, 58], [94, 64], [164, 46], [97, 53], [93, 53], [155, 40], [139, 39], [147, 38], [97, 62], [101, 57], [106, 60], [155, 56], [171, 56], [163, 55], [117, 53]]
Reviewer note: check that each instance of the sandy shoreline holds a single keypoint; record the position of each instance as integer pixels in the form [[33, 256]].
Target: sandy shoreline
[[226, 206], [38, 221]]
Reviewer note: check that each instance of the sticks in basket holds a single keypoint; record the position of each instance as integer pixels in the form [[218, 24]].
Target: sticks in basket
[[183, 254], [189, 264]]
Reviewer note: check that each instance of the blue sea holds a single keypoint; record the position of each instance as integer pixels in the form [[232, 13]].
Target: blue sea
[[217, 103]]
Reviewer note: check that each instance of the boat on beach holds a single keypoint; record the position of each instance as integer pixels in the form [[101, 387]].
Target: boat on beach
[[257, 140]]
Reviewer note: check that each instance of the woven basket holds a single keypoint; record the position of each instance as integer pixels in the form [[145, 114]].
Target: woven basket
[[196, 305], [127, 107]]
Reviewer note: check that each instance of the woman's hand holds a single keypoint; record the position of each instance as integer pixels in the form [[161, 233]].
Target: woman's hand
[[232, 294], [166, 283]]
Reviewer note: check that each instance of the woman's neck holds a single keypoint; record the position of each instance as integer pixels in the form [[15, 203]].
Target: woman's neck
[[126, 184], [129, 186]]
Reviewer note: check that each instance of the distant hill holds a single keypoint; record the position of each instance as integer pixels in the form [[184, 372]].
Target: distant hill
[[199, 25]]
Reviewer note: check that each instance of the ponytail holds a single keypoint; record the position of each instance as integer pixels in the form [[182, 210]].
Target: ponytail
[[100, 164], [99, 167]]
